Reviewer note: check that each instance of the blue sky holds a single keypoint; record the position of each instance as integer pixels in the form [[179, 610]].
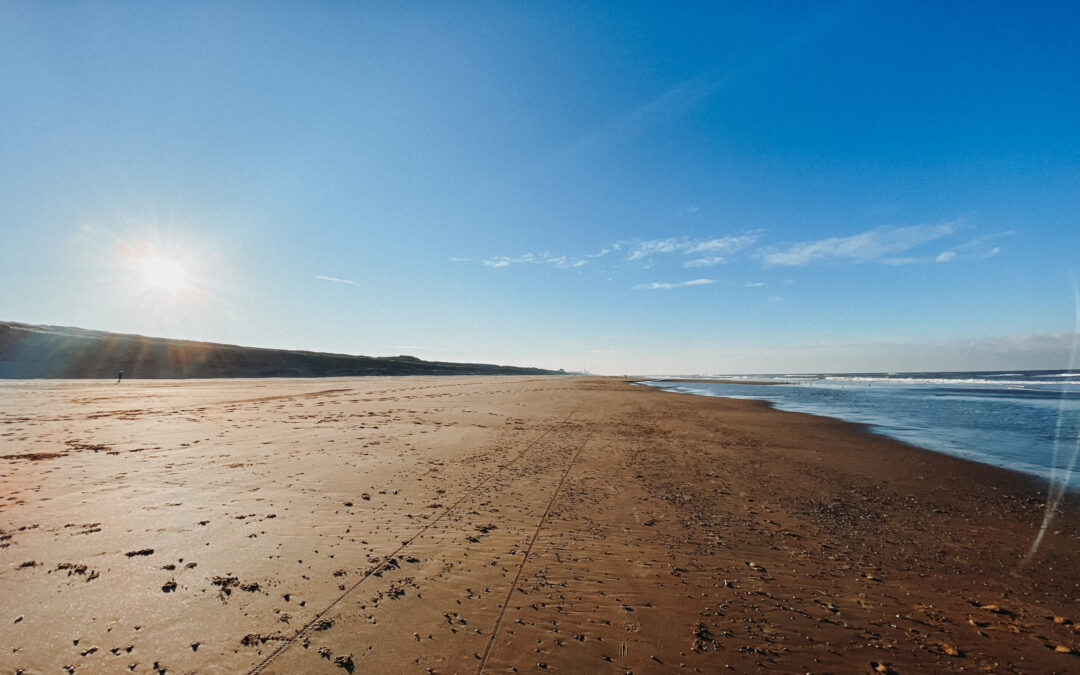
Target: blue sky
[[619, 187]]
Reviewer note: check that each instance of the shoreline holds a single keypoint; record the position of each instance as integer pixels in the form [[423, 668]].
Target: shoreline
[[473, 524], [867, 428], [1000, 477], [703, 381]]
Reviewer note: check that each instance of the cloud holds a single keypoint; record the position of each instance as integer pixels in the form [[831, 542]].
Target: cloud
[[337, 281], [719, 247], [562, 261], [976, 248], [604, 251], [667, 286], [755, 284], [705, 262], [648, 248], [881, 245], [727, 244], [712, 251]]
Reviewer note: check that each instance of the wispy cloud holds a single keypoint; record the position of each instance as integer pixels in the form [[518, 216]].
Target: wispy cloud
[[882, 244], [647, 248], [656, 285], [562, 261], [617, 246], [337, 281], [714, 251], [705, 262], [976, 248], [755, 284]]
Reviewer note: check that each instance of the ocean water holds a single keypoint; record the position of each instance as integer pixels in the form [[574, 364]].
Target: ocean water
[[1028, 421]]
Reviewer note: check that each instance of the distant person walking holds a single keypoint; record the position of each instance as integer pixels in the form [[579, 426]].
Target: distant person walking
[[119, 376]]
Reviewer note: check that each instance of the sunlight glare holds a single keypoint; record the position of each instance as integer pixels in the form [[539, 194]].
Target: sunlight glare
[[163, 275]]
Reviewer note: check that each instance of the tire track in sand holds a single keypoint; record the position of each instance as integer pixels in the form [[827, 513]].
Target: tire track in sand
[[386, 559], [528, 551]]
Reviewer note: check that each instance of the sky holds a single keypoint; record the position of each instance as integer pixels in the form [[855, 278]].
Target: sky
[[623, 188]]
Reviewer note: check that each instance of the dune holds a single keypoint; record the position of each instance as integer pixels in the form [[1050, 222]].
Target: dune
[[29, 351]]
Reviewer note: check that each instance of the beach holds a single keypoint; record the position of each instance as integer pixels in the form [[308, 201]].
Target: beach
[[506, 524]]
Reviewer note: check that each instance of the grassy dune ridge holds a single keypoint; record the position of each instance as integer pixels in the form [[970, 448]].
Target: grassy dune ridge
[[29, 351]]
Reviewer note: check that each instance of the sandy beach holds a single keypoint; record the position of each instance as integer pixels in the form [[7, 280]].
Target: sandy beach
[[505, 524]]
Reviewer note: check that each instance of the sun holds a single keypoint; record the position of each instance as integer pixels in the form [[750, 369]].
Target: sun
[[162, 274]]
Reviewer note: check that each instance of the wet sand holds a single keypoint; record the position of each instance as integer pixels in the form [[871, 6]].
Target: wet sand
[[516, 524]]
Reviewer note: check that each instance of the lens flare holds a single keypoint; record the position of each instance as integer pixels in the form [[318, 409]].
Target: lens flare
[[1064, 448]]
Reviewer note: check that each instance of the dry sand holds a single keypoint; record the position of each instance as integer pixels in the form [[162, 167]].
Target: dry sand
[[413, 525]]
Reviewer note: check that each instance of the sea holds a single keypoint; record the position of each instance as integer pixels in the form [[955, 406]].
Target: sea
[[1025, 420]]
